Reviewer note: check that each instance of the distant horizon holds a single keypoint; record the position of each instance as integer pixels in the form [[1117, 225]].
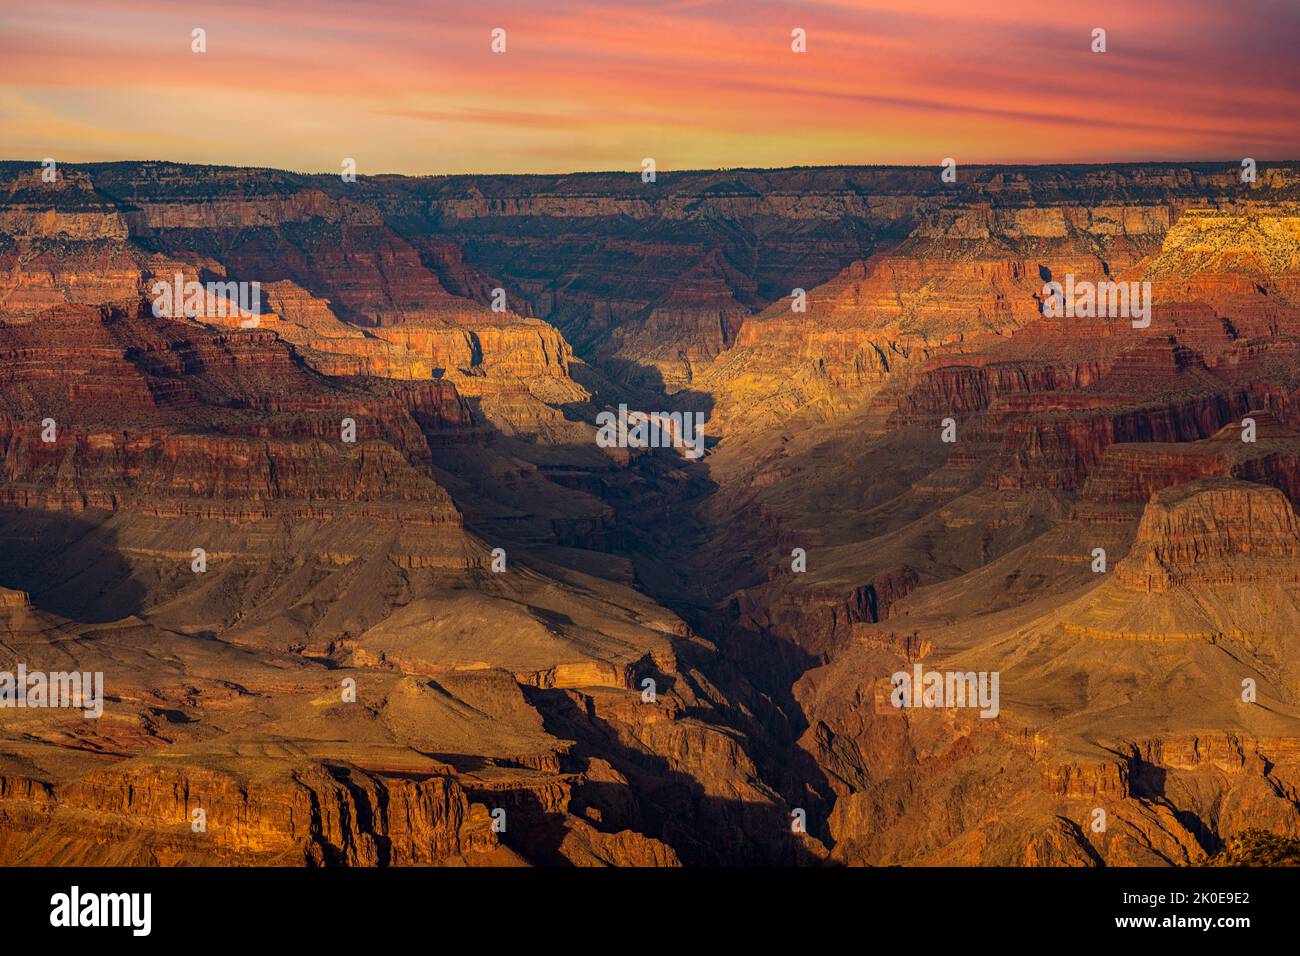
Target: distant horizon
[[1229, 164]]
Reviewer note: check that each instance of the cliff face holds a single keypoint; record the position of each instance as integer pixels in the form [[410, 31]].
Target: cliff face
[[366, 590], [1226, 256], [694, 322], [1189, 532], [105, 410], [315, 815], [68, 208]]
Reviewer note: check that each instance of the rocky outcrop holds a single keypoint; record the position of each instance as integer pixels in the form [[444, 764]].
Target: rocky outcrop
[[1189, 531]]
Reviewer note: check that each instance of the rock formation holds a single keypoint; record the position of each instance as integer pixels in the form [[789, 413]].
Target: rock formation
[[364, 589]]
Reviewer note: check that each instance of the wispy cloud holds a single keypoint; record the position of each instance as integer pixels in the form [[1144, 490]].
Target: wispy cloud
[[407, 86]]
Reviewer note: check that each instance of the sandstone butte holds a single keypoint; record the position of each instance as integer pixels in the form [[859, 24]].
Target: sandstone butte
[[369, 564]]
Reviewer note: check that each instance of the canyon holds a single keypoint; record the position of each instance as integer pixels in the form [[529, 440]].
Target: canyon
[[366, 589]]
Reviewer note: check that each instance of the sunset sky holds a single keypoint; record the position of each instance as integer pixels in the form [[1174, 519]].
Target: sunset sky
[[413, 87]]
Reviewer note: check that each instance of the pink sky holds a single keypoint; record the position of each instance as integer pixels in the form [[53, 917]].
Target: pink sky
[[414, 87]]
